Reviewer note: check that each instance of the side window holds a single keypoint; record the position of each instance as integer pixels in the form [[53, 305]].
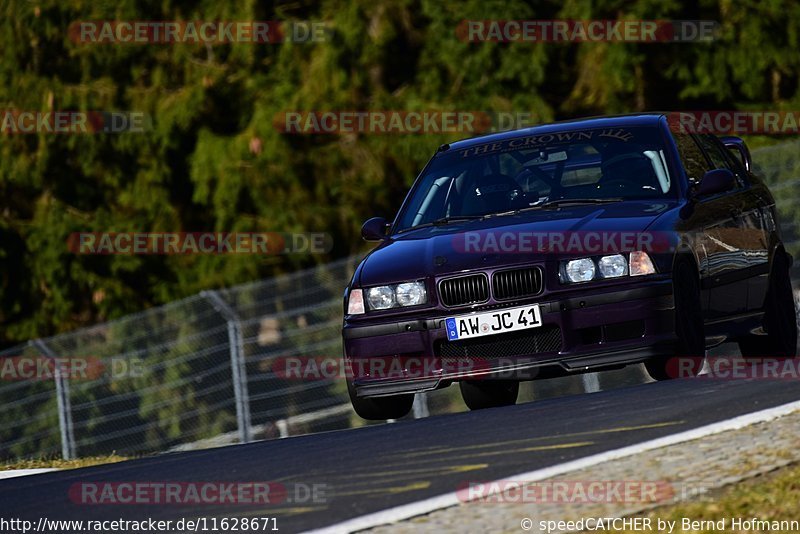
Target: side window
[[509, 166], [581, 176], [535, 183], [694, 162], [714, 152], [720, 156]]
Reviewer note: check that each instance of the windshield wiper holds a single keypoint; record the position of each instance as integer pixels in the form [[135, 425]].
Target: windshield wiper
[[554, 204], [578, 201], [514, 212], [444, 220], [455, 218]]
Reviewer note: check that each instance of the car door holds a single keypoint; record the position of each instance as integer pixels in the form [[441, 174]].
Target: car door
[[714, 223], [758, 226], [739, 241]]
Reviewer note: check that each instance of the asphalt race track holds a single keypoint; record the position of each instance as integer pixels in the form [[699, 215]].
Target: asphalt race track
[[378, 467]]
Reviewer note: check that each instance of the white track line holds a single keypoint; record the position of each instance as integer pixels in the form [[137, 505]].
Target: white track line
[[14, 473], [426, 506]]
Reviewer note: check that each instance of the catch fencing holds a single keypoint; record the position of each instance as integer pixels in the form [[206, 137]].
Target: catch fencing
[[189, 371]]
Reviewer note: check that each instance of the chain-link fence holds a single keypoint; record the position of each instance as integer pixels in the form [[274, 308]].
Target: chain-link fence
[[200, 371], [192, 370], [780, 166]]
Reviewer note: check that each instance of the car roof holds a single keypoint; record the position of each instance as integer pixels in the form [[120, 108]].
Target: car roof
[[615, 121]]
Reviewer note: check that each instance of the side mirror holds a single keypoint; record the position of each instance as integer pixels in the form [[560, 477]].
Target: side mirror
[[737, 145], [374, 229], [715, 181]]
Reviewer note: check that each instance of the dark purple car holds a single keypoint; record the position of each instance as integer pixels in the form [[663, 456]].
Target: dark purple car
[[561, 249]]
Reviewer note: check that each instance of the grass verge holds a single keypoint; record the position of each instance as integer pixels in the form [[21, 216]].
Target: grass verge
[[57, 463], [772, 497]]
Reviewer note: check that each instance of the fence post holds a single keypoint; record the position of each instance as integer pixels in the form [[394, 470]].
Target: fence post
[[64, 403], [238, 369], [591, 382], [420, 406]]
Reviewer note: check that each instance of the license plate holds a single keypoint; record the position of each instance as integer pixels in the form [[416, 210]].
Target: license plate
[[494, 322]]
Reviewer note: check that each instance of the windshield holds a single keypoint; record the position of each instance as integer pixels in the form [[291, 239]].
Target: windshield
[[505, 176]]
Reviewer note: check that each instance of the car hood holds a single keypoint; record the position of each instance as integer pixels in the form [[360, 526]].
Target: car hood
[[441, 250]]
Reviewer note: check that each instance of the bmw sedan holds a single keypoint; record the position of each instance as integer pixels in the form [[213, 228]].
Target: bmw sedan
[[566, 248]]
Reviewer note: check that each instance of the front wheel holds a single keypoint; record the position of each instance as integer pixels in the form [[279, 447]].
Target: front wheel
[[690, 347], [380, 408], [489, 393]]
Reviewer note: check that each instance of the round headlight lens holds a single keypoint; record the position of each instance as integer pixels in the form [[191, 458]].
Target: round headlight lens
[[613, 266], [410, 293], [581, 270], [380, 298]]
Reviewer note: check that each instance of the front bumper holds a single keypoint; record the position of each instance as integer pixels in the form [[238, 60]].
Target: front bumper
[[581, 331]]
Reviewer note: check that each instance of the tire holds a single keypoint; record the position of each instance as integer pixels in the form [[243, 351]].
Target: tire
[[489, 393], [780, 316], [380, 408], [690, 346]]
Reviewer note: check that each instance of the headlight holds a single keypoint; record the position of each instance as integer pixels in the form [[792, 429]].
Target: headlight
[[613, 266], [641, 264], [410, 293], [396, 295], [355, 302], [581, 270], [381, 297]]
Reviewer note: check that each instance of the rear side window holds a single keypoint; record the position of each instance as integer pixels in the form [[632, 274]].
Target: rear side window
[[736, 163]]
